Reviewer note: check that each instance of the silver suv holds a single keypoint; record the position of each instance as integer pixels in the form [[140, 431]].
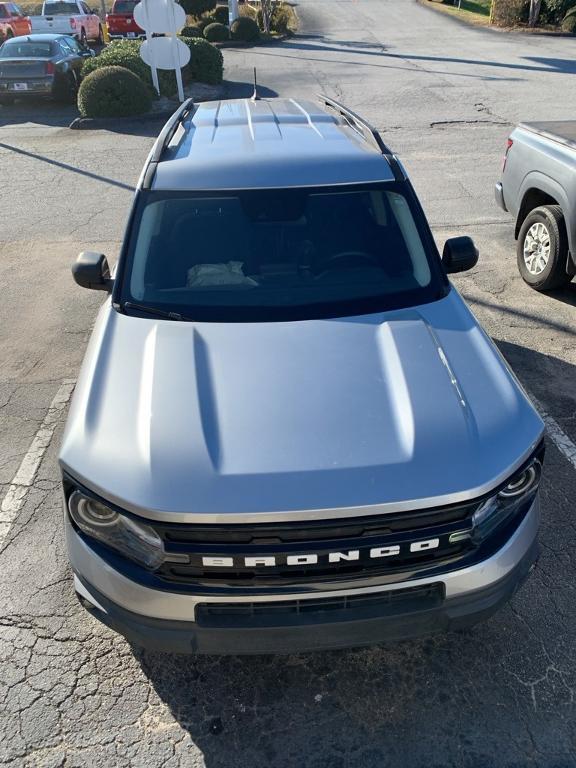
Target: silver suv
[[289, 432]]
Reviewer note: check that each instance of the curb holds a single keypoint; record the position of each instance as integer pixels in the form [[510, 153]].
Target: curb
[[109, 123]]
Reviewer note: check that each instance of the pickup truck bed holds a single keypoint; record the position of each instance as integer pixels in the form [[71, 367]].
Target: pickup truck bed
[[538, 188], [563, 131]]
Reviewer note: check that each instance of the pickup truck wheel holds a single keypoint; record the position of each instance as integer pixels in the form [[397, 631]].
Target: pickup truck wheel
[[100, 39], [83, 38], [543, 249]]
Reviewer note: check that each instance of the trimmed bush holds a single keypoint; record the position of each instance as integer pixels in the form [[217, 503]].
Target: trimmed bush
[[569, 22], [216, 33], [220, 14], [126, 53], [244, 28], [197, 7], [206, 62], [120, 53], [191, 32], [113, 92], [283, 20]]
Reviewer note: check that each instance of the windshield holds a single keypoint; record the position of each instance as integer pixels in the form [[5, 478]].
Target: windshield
[[278, 254], [21, 49], [60, 9]]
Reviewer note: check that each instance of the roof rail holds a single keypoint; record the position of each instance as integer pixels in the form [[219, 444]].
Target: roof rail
[[358, 123], [164, 138]]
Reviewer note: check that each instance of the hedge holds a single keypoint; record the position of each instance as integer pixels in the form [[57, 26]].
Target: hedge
[[216, 33], [206, 63], [113, 92], [244, 28]]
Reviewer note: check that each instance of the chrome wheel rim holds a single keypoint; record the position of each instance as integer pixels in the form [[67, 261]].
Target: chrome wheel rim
[[537, 248]]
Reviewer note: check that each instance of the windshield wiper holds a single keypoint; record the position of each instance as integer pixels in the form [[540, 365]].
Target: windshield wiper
[[155, 311]]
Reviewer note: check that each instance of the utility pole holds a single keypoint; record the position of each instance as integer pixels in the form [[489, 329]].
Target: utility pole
[[232, 10]]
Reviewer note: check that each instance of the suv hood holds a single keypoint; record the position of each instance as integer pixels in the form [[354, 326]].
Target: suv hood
[[206, 422]]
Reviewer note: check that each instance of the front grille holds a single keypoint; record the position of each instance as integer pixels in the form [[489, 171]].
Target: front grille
[[188, 546], [327, 609]]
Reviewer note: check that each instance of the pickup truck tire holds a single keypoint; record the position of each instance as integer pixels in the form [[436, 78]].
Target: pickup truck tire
[[543, 249], [83, 38], [100, 38]]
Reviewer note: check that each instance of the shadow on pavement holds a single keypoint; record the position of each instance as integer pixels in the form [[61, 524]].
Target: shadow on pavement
[[244, 90]]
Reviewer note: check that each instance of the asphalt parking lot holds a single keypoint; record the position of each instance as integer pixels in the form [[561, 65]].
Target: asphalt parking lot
[[74, 694]]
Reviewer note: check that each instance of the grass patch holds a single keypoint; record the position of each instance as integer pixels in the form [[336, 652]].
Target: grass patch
[[473, 11]]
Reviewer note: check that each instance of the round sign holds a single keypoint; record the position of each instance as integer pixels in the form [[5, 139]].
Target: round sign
[[160, 17], [165, 53]]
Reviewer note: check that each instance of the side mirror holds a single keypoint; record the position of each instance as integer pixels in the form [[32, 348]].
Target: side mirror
[[459, 255], [91, 270]]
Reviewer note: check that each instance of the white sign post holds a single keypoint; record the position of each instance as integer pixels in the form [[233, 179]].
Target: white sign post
[[163, 17], [233, 12]]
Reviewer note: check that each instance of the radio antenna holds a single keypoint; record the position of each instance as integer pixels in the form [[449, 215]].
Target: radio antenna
[[255, 96]]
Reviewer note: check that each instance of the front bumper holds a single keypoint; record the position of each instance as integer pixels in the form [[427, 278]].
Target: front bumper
[[166, 621]]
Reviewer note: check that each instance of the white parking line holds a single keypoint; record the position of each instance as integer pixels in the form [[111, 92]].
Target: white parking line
[[557, 434], [26, 474]]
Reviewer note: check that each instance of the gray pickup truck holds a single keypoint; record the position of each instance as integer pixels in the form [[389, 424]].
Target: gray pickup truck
[[538, 188]]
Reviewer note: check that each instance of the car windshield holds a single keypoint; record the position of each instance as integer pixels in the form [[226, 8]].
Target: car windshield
[[17, 49], [262, 255], [60, 9], [123, 6]]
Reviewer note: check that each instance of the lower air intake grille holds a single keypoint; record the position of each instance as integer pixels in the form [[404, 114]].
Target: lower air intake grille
[[348, 607]]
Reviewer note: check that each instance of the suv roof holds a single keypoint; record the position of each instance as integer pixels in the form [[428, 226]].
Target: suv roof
[[255, 144]]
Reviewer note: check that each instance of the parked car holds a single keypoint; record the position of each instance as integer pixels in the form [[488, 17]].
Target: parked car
[[289, 431], [538, 188], [120, 21], [69, 17], [41, 65], [13, 21]]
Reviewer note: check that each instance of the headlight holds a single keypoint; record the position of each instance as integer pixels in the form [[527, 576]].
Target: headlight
[[520, 490], [135, 540]]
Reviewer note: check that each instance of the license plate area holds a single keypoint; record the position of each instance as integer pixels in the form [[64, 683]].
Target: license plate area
[[19, 87]]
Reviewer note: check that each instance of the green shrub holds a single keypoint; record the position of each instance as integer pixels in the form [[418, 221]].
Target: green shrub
[[553, 11], [220, 14], [216, 33], [569, 22], [191, 32], [244, 28], [120, 53], [283, 20], [126, 53], [206, 62], [197, 7], [113, 92]]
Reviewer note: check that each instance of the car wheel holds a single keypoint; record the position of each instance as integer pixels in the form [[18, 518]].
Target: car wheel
[[543, 249], [100, 39], [9, 34], [83, 38], [67, 89]]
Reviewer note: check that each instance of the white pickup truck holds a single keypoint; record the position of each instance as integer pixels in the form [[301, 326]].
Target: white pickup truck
[[69, 17]]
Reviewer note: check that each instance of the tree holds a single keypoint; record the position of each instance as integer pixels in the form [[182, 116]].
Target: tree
[[535, 6], [267, 8]]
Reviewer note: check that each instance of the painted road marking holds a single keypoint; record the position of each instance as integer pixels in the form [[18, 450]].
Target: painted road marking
[[26, 474], [557, 434]]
